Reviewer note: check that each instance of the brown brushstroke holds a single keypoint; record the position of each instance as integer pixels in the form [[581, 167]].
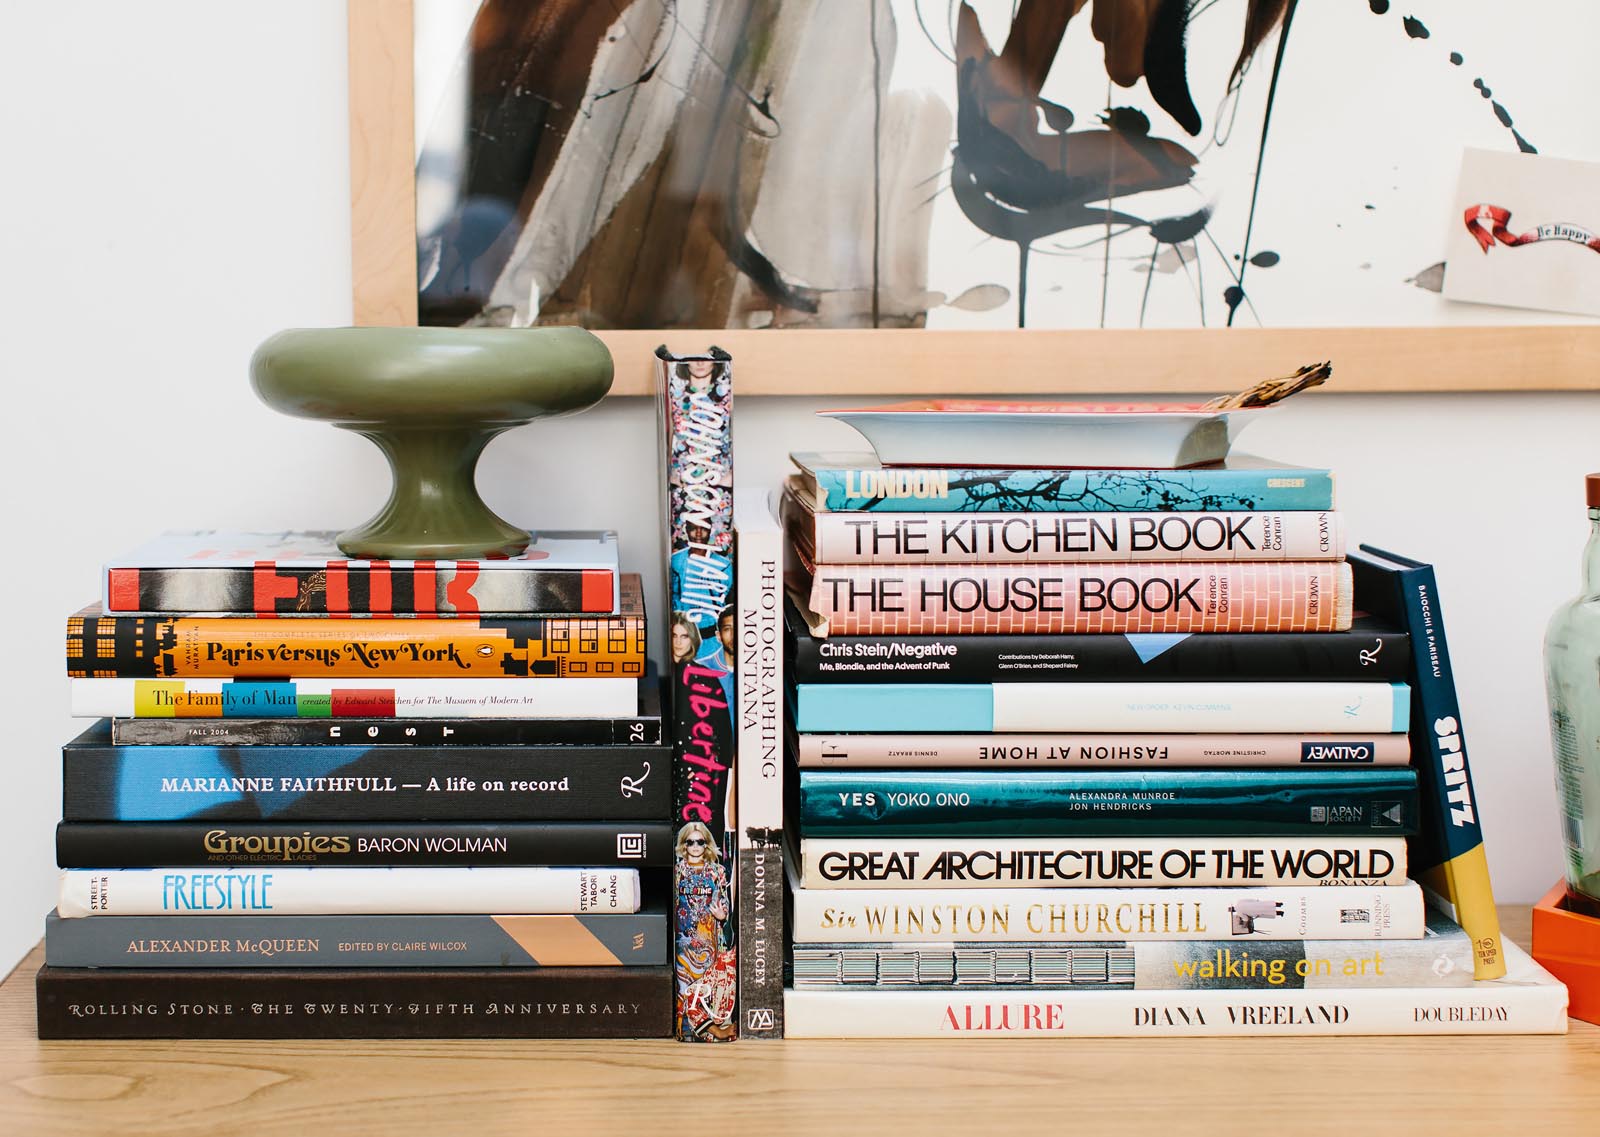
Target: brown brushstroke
[[1122, 26], [1037, 28], [1259, 20]]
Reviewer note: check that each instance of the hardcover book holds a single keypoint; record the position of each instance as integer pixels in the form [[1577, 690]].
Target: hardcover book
[[418, 647], [1107, 803], [219, 572], [760, 746], [1053, 538], [695, 399], [857, 482], [1369, 650], [1527, 1001], [501, 1002], [1168, 597], [1447, 851], [1105, 751], [347, 940]]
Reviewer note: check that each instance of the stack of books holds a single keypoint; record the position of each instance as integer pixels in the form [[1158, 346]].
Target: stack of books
[[1108, 752], [327, 797]]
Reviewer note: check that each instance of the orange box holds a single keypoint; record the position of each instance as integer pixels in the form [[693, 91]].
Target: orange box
[[1567, 944]]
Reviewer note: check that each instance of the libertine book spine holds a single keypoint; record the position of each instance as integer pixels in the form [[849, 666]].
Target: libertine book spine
[[695, 399], [542, 1002]]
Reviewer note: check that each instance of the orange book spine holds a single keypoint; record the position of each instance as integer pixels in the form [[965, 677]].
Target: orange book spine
[[1290, 596]]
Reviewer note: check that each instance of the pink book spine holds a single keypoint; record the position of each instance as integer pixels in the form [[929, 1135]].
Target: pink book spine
[[1289, 596]]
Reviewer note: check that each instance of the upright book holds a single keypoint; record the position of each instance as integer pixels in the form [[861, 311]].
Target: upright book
[[760, 715], [220, 572], [1447, 851], [695, 399]]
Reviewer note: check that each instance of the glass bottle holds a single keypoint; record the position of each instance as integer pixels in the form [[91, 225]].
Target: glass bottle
[[1572, 679]]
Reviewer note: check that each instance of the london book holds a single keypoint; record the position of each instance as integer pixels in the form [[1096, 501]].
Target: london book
[[221, 572], [1179, 706], [535, 647], [695, 400], [759, 601], [1107, 803], [501, 1002], [1055, 538], [1104, 751], [1529, 1000], [180, 844], [1369, 650], [857, 482], [321, 698], [1441, 958], [1337, 912], [1448, 850], [637, 939], [641, 729], [296, 890], [102, 782], [1150, 862], [1062, 599]]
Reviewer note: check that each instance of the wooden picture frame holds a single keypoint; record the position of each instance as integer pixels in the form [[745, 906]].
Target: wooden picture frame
[[854, 362]]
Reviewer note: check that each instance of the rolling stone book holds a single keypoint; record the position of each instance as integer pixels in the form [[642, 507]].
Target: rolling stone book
[[760, 667], [695, 400]]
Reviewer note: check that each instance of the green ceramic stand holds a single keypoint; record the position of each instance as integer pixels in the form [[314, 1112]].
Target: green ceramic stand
[[431, 399]]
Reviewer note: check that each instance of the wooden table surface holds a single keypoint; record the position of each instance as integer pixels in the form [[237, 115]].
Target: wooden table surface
[[1506, 1086]]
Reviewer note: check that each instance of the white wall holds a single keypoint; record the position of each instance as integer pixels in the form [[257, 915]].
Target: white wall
[[174, 190]]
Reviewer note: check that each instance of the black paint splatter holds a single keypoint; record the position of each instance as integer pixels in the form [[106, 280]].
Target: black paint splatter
[[1523, 144], [1415, 28], [1265, 259], [1233, 296], [1482, 89], [1176, 230], [1371, 207], [1502, 114], [1379, 7], [1456, 58]]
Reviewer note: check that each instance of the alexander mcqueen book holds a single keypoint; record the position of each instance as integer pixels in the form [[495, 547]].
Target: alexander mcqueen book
[[695, 400], [221, 572]]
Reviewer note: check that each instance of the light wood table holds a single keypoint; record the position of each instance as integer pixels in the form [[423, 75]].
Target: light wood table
[[1508, 1087]]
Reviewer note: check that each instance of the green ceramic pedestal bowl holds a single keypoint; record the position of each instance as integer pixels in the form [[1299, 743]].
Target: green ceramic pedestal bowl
[[431, 399]]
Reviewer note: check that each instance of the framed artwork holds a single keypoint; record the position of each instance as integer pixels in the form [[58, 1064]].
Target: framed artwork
[[877, 196]]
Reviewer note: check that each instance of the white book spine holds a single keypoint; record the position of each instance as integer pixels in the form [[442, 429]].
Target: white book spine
[[1053, 915], [1056, 538], [1104, 751], [759, 725], [1139, 862], [346, 891], [1528, 1001], [386, 698], [1276, 707]]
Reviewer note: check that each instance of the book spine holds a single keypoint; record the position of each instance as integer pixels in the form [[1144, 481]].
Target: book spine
[[339, 891], [760, 781], [376, 588], [181, 844], [1289, 596], [1074, 491], [695, 401], [1336, 912], [144, 647], [1420, 1010], [539, 1002], [1021, 658], [1101, 707], [336, 698], [1030, 538], [345, 940], [1099, 751], [1449, 853], [1106, 803], [1441, 959], [1152, 862], [641, 730], [388, 783]]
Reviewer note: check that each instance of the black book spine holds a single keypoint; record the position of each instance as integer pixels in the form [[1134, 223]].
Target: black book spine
[[1375, 655], [101, 782], [180, 844], [549, 1002]]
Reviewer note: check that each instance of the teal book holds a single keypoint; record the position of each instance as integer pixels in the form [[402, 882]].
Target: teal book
[[1201, 803], [855, 482]]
